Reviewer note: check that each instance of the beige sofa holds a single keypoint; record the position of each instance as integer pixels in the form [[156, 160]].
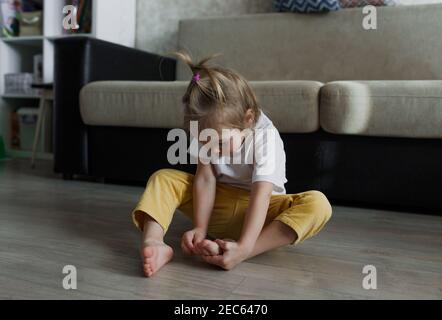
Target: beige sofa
[[365, 104]]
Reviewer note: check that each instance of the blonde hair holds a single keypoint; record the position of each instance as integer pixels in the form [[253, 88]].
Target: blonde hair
[[216, 97]]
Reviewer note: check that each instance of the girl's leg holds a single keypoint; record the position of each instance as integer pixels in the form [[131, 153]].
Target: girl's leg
[[274, 235], [291, 218], [303, 215], [154, 252], [166, 190]]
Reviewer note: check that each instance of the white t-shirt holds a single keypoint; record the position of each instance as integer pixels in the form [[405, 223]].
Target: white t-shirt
[[261, 157]]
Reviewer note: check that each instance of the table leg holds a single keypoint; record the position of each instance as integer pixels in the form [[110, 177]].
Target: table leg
[[41, 113]]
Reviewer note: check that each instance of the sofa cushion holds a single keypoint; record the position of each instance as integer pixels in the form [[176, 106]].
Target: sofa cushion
[[291, 105], [411, 109]]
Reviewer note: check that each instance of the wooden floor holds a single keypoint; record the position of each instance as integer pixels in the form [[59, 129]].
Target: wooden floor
[[47, 223]]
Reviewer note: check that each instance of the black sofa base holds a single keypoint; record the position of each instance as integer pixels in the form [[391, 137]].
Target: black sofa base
[[382, 171], [371, 171]]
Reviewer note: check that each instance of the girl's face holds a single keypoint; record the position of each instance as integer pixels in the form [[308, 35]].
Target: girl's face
[[230, 140]]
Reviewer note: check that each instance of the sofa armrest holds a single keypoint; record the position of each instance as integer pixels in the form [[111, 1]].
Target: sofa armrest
[[81, 60], [401, 109]]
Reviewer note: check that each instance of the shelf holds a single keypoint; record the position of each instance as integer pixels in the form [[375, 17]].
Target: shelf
[[73, 35], [36, 40], [19, 96], [29, 41]]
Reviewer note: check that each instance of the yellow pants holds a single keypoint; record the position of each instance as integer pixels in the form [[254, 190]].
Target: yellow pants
[[169, 189]]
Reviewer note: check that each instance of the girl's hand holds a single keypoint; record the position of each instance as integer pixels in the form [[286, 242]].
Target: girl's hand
[[191, 239], [233, 254]]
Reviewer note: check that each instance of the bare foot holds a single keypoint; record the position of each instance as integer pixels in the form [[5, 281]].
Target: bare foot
[[154, 255], [209, 248]]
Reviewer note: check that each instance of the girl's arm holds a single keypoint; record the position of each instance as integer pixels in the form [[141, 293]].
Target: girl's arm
[[204, 190], [256, 213], [235, 252]]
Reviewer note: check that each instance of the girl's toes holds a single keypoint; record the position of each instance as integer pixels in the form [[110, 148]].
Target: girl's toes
[[206, 248]]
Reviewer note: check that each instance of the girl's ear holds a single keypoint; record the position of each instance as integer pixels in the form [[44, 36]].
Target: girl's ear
[[249, 117]]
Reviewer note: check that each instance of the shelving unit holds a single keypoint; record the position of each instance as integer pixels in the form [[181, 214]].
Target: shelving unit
[[112, 20]]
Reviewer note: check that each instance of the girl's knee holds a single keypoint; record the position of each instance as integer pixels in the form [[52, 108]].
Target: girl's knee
[[168, 174], [320, 205], [162, 173]]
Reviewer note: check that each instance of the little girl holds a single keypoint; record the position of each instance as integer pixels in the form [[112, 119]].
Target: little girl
[[243, 206]]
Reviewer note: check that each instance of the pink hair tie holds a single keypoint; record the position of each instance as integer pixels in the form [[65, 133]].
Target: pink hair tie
[[196, 77]]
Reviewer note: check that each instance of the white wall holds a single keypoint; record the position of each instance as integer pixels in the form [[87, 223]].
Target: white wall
[[157, 20]]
